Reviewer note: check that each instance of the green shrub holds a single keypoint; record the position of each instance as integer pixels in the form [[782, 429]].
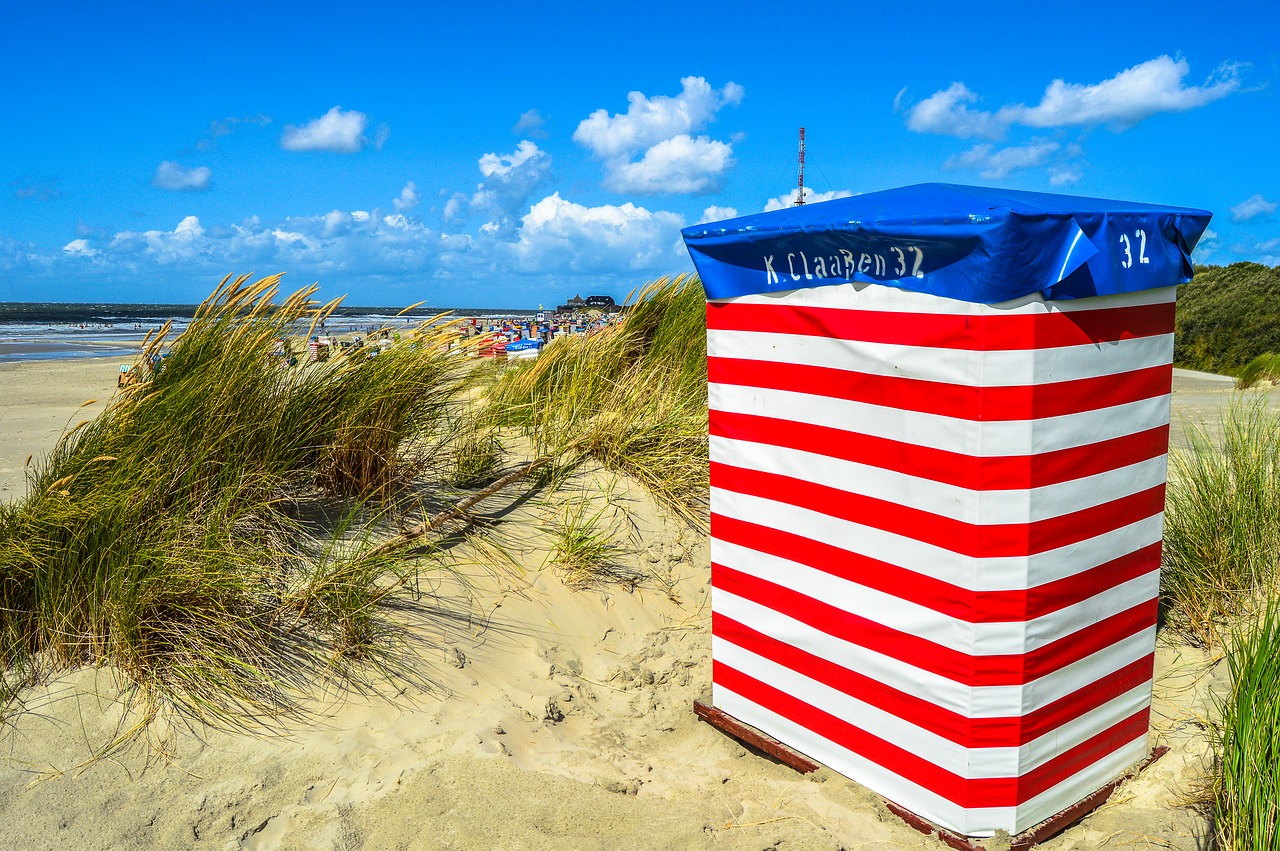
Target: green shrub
[[1227, 316]]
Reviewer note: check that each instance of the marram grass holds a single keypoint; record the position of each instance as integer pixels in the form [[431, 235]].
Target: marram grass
[[1218, 586], [1265, 367], [1245, 803], [633, 396], [164, 538], [1222, 521]]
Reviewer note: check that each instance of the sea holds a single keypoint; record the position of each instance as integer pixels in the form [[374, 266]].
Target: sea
[[59, 330]]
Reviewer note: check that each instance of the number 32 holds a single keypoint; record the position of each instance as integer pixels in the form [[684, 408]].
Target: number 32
[[1141, 236]]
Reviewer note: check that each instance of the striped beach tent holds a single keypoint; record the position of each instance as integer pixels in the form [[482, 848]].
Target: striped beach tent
[[939, 420]]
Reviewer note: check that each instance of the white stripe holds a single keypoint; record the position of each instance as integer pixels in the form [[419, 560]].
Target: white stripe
[[983, 439], [1079, 786], [967, 762], [876, 297], [874, 776], [970, 701], [977, 574], [991, 507], [951, 366], [974, 821], [976, 639], [959, 760], [1039, 751]]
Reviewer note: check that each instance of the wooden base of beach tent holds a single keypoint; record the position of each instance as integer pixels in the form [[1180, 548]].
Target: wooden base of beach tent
[[792, 758], [749, 735]]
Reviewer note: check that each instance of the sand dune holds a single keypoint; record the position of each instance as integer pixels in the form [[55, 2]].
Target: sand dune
[[542, 717]]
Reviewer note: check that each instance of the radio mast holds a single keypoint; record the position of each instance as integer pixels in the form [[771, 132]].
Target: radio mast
[[800, 180]]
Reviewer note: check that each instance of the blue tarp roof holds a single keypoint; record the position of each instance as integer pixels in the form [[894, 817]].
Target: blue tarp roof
[[964, 242]]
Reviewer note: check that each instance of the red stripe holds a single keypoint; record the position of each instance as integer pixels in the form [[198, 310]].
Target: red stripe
[[972, 794], [976, 671], [943, 597], [999, 332], [969, 732], [961, 401], [1001, 472], [988, 540]]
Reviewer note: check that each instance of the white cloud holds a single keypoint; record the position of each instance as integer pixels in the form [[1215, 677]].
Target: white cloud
[[1254, 207], [947, 112], [173, 177], [531, 124], [342, 132], [1207, 246], [559, 236], [716, 213], [335, 223], [810, 197], [553, 244], [186, 243], [408, 199], [998, 163], [648, 121], [1130, 97], [680, 165], [80, 248], [455, 208], [495, 165], [1064, 173], [510, 180], [1266, 252], [658, 131]]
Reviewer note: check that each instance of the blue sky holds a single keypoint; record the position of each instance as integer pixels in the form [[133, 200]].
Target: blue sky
[[506, 155]]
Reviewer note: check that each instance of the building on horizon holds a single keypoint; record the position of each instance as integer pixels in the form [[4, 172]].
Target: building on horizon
[[595, 302]]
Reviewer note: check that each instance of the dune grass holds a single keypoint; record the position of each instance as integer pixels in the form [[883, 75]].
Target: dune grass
[[633, 397], [1218, 586], [476, 457], [1222, 523], [1246, 785], [186, 538], [1265, 367], [167, 536], [584, 546]]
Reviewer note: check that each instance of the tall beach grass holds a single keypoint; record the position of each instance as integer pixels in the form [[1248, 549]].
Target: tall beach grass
[[168, 537], [1246, 785], [632, 396], [1218, 586], [1222, 523]]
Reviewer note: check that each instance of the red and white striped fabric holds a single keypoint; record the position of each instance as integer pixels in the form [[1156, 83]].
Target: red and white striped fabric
[[936, 535]]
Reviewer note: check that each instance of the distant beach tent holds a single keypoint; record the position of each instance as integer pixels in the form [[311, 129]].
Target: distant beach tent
[[938, 430], [522, 349]]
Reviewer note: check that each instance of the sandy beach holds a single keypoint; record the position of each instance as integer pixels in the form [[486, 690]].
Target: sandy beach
[[541, 717]]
